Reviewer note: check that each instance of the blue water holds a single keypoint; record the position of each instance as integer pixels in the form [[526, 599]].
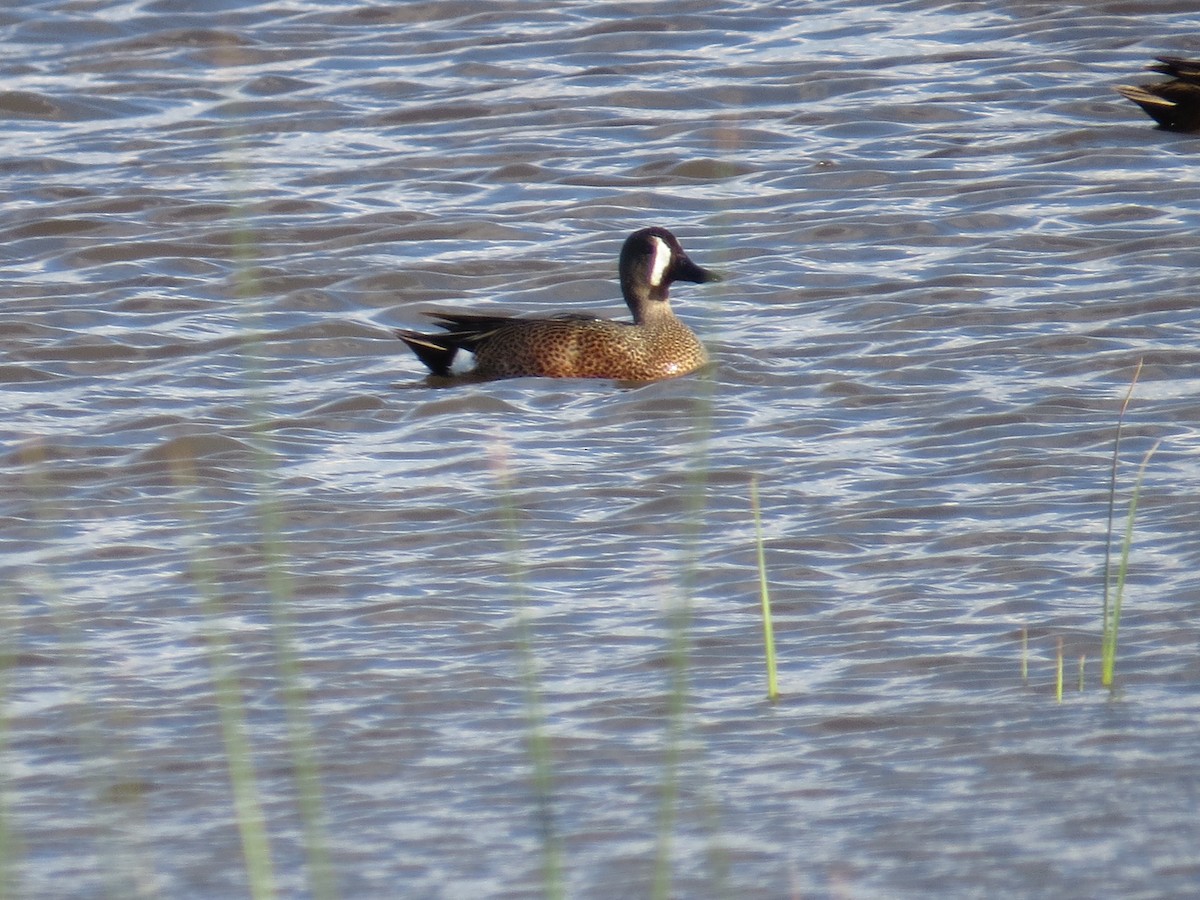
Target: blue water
[[949, 243]]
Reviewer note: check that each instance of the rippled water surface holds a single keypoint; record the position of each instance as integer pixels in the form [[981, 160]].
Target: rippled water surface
[[234, 511]]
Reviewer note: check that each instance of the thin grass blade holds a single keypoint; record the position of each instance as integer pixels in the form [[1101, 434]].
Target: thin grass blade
[[1109, 661], [764, 596]]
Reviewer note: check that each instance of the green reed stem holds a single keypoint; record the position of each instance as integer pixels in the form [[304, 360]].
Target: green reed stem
[[248, 812], [301, 736], [679, 622], [99, 743], [1112, 623], [1082, 667], [1058, 681], [669, 792], [1105, 612], [764, 595], [537, 742]]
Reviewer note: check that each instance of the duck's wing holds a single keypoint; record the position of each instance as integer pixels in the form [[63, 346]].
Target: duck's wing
[[578, 317], [474, 322], [470, 323]]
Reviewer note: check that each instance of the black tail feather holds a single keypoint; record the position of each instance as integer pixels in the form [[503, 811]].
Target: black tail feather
[[432, 349], [1178, 67]]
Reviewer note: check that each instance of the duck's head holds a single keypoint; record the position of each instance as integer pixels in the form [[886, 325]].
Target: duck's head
[[650, 261]]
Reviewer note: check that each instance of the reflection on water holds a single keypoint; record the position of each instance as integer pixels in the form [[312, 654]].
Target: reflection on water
[[950, 243]]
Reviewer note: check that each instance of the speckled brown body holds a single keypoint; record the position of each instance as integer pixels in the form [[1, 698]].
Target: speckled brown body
[[655, 345], [578, 347]]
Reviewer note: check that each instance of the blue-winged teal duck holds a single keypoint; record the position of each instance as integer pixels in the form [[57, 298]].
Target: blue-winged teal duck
[[1174, 104], [655, 345]]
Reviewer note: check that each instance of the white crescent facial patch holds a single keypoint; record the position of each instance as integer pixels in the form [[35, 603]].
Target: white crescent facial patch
[[662, 259]]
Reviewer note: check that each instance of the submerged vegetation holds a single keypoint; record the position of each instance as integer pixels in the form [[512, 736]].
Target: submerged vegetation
[[1114, 580], [1115, 572], [1112, 610]]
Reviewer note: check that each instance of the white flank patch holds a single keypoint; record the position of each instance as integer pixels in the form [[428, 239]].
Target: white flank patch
[[662, 259], [464, 361]]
